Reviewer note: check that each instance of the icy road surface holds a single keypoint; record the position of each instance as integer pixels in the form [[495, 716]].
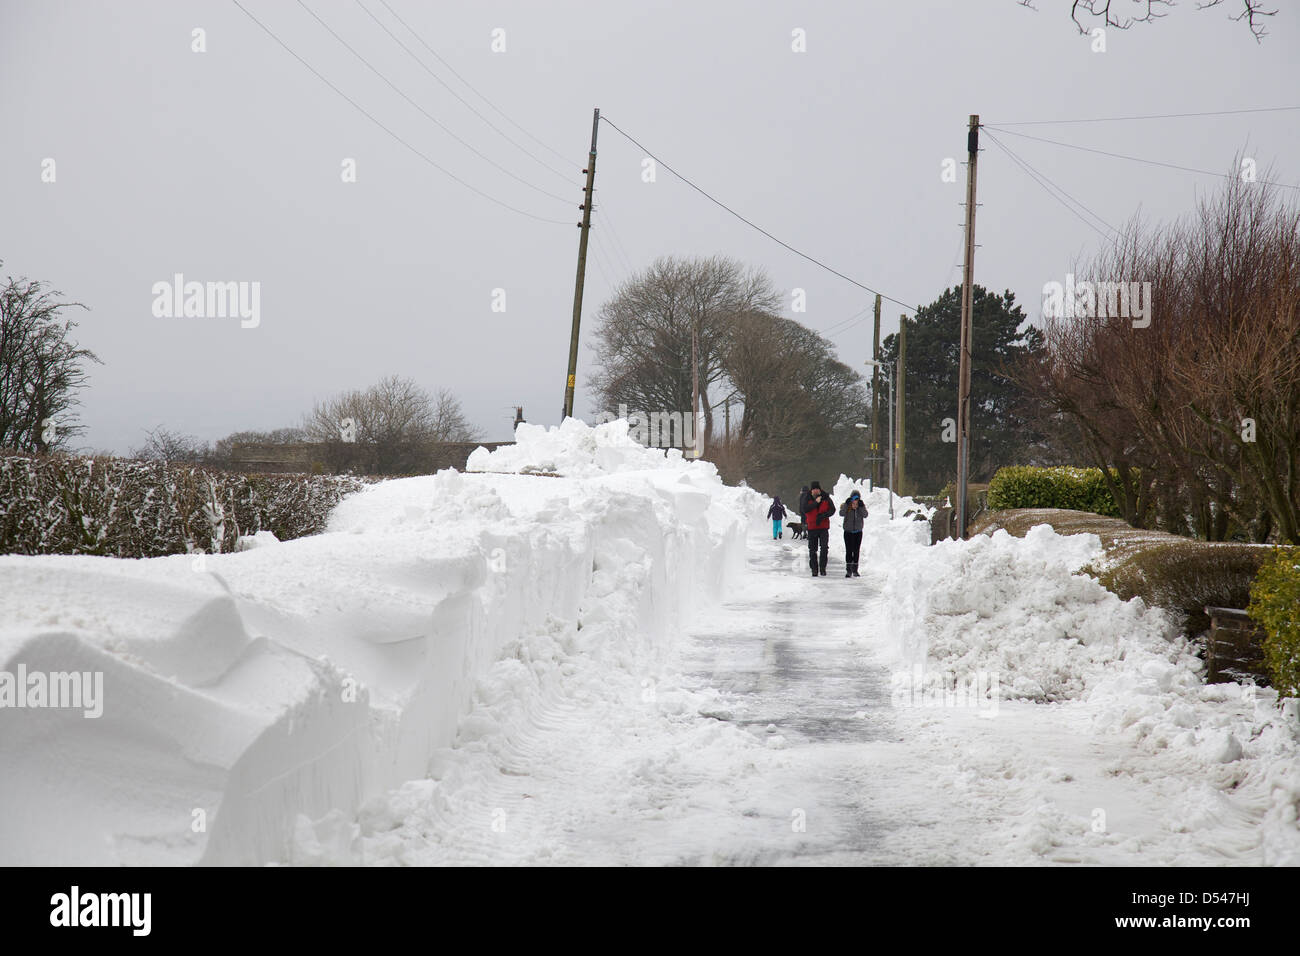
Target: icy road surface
[[770, 738], [750, 753]]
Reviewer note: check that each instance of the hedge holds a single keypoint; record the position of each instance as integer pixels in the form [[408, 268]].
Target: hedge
[[1075, 489], [138, 509], [1275, 604]]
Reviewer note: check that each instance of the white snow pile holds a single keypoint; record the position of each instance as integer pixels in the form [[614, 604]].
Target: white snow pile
[[1016, 607], [1015, 618], [575, 450], [246, 693]]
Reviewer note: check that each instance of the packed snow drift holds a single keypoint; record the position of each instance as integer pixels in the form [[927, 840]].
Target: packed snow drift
[[300, 677]]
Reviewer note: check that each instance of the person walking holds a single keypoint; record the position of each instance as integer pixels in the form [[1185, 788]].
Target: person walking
[[854, 513], [777, 513], [817, 522]]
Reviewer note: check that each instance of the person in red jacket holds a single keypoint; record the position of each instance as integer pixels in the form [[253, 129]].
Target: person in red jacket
[[817, 511]]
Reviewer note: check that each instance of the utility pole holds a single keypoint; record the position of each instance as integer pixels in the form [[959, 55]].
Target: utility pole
[[875, 403], [893, 386], [585, 225], [963, 375], [698, 451], [902, 401]]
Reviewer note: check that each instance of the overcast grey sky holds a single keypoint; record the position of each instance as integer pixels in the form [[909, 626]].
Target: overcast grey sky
[[225, 166]]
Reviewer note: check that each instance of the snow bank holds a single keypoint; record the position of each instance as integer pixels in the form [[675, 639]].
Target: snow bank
[[575, 450], [1017, 607], [248, 691], [1015, 618]]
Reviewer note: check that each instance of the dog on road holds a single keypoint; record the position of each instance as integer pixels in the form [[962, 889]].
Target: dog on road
[[797, 527]]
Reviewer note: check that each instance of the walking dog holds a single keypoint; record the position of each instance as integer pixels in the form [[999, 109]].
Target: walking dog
[[797, 527]]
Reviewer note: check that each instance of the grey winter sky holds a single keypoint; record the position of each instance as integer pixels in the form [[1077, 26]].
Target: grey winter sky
[[226, 166]]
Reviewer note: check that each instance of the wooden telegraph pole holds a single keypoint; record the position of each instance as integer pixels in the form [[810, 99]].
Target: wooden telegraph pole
[[876, 469], [901, 378], [963, 375], [585, 225]]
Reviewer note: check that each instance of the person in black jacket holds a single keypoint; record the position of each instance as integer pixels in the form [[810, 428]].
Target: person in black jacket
[[854, 513], [817, 522]]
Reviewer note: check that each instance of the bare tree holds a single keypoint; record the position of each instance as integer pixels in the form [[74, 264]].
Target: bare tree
[[387, 428], [41, 368], [1196, 411], [1239, 360], [644, 335], [449, 422], [1123, 15], [798, 402], [165, 445]]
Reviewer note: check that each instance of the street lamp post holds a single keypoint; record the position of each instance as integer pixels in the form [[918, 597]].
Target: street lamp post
[[890, 377], [871, 456]]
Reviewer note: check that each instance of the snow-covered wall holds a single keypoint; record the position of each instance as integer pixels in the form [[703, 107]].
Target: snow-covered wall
[[297, 678]]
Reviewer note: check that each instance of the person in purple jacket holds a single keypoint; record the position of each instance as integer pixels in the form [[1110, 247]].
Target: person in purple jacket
[[777, 514]]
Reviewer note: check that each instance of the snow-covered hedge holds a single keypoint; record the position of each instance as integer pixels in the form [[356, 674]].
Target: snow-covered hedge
[[137, 509]]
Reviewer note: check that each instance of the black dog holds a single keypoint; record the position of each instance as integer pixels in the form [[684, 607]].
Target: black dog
[[797, 527]]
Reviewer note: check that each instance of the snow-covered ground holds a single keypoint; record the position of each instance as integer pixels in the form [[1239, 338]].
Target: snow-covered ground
[[620, 665]]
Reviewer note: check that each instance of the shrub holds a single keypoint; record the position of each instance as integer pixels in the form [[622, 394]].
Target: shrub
[[138, 509], [1075, 489], [1186, 576], [1275, 604]]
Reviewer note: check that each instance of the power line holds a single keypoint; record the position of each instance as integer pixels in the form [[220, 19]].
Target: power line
[[469, 106], [1049, 186], [839, 328], [1134, 159], [752, 225], [359, 108], [843, 325], [596, 257], [470, 86], [622, 256], [957, 257], [427, 115], [1152, 116]]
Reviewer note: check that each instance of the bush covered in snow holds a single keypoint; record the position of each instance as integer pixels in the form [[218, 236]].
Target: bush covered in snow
[[137, 509]]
